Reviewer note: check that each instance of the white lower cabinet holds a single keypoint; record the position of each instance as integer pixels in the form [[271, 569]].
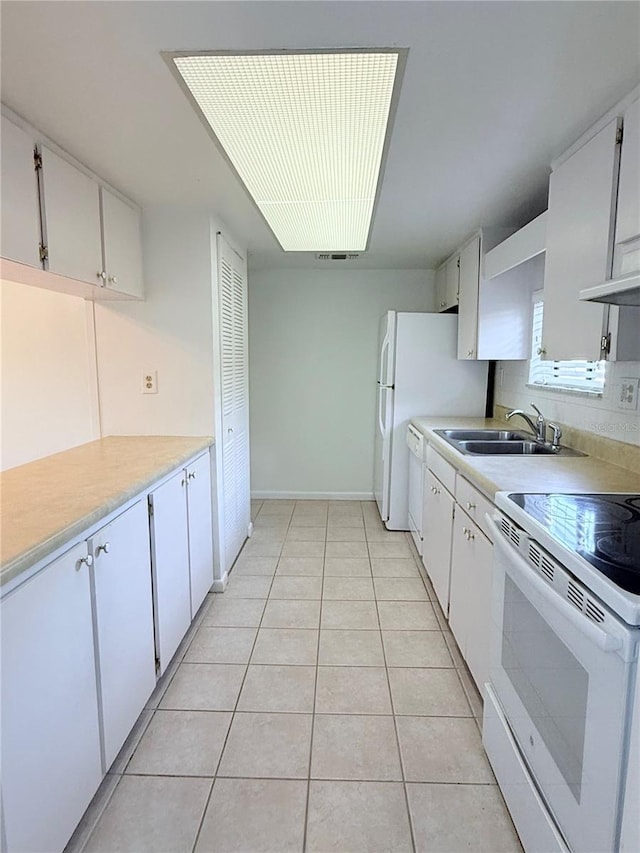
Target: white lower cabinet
[[181, 539], [79, 646], [457, 556], [51, 763], [470, 594], [200, 530], [170, 548], [124, 623], [437, 526]]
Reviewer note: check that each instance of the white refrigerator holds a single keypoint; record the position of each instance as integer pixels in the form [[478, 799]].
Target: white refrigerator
[[418, 375]]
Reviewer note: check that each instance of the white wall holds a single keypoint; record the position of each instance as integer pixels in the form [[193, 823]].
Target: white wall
[[48, 401], [312, 372], [170, 332], [598, 415]]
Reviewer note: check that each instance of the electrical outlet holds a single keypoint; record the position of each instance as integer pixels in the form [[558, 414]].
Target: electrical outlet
[[628, 393], [150, 382]]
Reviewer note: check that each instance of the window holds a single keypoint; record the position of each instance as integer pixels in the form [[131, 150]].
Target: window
[[578, 375]]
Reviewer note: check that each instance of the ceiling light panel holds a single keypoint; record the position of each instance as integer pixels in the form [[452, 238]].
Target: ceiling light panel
[[305, 133]]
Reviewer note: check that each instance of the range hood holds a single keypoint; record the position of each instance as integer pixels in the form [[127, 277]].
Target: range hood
[[624, 290]]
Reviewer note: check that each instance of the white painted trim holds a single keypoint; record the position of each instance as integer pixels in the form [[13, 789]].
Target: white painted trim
[[221, 585], [313, 496], [615, 112]]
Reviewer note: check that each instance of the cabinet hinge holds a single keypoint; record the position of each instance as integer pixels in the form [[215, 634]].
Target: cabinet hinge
[[605, 344], [37, 159], [619, 134], [458, 263], [43, 252], [157, 666]]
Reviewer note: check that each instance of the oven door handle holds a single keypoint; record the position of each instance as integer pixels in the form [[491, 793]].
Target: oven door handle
[[528, 577]]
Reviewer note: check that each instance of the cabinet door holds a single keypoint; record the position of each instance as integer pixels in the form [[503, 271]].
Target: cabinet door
[[51, 764], [628, 212], [200, 530], [71, 220], [582, 193], [468, 299], [437, 524], [470, 597], [452, 275], [124, 622], [441, 288], [170, 562], [122, 244], [20, 234], [479, 560]]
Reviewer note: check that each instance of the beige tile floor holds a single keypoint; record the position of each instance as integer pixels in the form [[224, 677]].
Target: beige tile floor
[[319, 704]]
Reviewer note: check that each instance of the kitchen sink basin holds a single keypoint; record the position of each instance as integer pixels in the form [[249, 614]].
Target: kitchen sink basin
[[481, 434], [504, 447], [500, 442]]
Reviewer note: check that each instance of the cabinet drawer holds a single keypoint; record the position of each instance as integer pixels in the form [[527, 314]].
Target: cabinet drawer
[[443, 470], [474, 504]]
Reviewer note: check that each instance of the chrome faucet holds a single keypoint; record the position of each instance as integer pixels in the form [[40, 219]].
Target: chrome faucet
[[539, 428]]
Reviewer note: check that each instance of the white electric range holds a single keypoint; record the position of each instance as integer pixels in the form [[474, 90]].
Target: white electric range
[[565, 637]]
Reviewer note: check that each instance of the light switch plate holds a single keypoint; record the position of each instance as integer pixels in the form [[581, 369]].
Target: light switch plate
[[628, 393]]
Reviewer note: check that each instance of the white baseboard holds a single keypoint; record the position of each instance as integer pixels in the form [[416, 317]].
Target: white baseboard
[[313, 496], [221, 585]]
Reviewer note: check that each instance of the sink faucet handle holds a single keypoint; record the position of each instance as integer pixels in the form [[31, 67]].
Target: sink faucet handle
[[537, 410], [541, 424], [557, 434]]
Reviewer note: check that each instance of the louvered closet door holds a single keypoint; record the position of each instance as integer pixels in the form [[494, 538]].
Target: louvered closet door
[[234, 400]]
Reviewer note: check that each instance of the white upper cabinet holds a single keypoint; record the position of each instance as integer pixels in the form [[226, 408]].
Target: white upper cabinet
[[627, 249], [468, 299], [447, 283], [71, 208], [122, 245], [58, 217], [582, 197], [20, 234]]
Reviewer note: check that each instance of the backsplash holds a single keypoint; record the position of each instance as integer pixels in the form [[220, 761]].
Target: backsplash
[[598, 415]]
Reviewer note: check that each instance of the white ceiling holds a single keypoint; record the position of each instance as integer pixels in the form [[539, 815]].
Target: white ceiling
[[492, 92]]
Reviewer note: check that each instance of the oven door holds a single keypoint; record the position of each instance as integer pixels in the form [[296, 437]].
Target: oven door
[[562, 677]]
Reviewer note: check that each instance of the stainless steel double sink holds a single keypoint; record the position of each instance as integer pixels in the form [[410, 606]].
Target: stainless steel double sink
[[499, 442]]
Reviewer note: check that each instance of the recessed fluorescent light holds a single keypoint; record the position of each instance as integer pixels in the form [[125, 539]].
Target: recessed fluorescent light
[[305, 132]]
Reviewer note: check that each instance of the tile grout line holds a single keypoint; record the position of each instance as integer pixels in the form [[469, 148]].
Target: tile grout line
[[315, 693], [233, 714], [395, 728]]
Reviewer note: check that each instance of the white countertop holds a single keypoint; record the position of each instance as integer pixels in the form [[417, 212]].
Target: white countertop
[[538, 473], [49, 501]]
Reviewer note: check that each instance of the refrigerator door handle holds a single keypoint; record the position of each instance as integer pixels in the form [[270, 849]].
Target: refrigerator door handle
[[384, 355], [381, 402]]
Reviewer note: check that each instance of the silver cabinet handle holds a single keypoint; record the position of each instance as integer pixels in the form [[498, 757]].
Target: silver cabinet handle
[[191, 475], [541, 351], [101, 274], [113, 279], [442, 304], [470, 505], [88, 560], [183, 482], [465, 530], [470, 535], [104, 548], [470, 352]]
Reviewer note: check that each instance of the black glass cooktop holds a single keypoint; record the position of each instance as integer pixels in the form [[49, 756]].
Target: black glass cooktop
[[604, 529]]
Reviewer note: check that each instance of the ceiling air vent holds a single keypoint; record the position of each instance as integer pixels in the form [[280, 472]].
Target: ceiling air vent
[[337, 256]]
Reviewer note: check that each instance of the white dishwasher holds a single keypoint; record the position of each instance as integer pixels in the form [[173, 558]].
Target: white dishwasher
[[415, 442]]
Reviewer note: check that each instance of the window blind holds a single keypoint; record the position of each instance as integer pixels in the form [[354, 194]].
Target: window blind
[[576, 375]]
